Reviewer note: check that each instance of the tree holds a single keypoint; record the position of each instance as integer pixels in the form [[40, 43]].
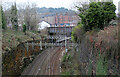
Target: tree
[[109, 12], [78, 33], [82, 7], [30, 16], [98, 15], [93, 16], [3, 19], [24, 28], [14, 18]]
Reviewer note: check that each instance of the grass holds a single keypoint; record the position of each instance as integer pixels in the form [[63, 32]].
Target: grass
[[66, 57], [65, 73], [70, 64], [90, 68], [12, 38], [13, 54], [101, 67]]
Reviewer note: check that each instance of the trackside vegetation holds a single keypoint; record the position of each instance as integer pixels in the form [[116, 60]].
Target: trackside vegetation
[[97, 40]]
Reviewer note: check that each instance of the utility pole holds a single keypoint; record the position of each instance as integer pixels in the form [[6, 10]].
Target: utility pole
[[45, 44], [65, 39], [53, 36]]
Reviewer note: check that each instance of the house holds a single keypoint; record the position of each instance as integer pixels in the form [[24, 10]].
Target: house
[[61, 19], [42, 25]]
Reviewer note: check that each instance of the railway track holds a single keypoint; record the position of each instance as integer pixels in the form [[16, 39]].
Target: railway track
[[55, 63], [53, 67], [47, 63], [35, 64]]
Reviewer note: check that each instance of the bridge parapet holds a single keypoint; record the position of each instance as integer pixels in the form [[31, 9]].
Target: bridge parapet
[[51, 44]]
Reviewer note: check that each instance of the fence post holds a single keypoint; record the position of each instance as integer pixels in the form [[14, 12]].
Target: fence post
[[66, 45], [52, 41], [32, 46], [40, 45], [45, 44]]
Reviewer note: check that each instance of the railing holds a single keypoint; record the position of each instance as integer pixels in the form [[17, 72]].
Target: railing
[[51, 44], [40, 44]]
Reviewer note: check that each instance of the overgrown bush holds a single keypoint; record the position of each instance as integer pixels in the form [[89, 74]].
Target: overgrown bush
[[103, 43], [78, 33], [101, 66]]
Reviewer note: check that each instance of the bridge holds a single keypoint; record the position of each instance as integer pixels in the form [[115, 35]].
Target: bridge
[[66, 30], [41, 45], [51, 44], [59, 43], [59, 37]]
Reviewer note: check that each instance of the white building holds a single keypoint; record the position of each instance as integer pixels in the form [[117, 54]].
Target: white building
[[43, 25]]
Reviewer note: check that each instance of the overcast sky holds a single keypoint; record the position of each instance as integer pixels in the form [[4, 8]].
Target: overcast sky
[[54, 3]]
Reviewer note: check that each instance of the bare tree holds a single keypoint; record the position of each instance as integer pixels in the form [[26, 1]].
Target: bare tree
[[7, 10], [14, 17], [28, 13], [31, 16]]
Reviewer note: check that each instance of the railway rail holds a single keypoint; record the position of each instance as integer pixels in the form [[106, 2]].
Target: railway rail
[[47, 63]]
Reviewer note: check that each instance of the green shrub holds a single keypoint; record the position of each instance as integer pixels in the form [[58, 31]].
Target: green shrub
[[64, 58], [65, 74], [78, 33], [69, 57], [9, 40]]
